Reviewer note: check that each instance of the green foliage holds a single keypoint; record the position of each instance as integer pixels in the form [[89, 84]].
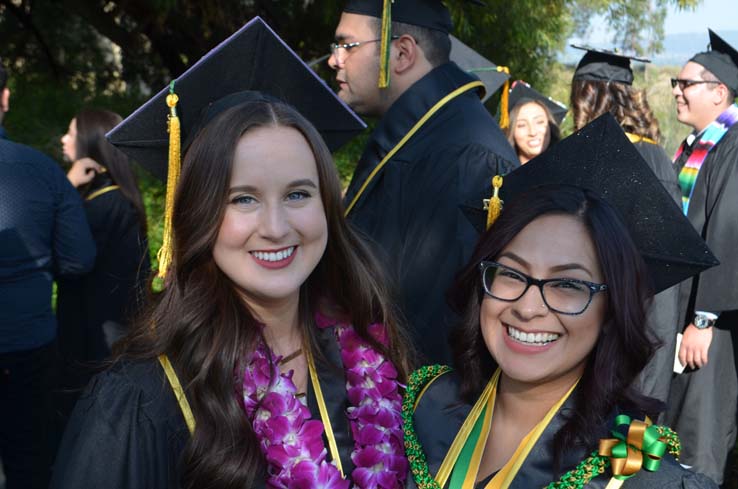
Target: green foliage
[[524, 35]]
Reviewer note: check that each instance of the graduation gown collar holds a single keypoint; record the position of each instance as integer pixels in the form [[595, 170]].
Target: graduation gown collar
[[535, 470], [400, 119], [416, 101], [333, 386]]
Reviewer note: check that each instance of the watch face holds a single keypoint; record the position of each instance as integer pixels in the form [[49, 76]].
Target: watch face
[[701, 322]]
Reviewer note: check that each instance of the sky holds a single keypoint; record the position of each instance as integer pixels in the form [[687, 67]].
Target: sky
[[719, 15]]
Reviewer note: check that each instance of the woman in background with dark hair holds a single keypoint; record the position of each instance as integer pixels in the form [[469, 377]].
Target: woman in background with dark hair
[[603, 83], [94, 310], [553, 304], [534, 121]]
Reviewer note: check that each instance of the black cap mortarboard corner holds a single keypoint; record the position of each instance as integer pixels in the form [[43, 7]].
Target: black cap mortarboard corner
[[522, 92], [600, 158], [469, 60], [721, 60], [254, 58], [604, 65]]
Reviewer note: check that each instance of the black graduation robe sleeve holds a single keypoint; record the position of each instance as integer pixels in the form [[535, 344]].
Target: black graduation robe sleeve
[[125, 432], [713, 210]]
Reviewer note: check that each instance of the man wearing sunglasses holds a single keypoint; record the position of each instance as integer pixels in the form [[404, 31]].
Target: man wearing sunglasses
[[702, 403], [434, 148]]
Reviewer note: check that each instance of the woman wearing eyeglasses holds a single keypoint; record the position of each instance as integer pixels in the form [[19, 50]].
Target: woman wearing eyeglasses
[[552, 335]]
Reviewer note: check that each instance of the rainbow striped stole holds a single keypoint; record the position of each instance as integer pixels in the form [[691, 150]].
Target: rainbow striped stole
[[709, 138]]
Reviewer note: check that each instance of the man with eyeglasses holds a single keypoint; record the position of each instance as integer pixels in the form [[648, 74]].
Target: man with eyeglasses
[[702, 403], [434, 147]]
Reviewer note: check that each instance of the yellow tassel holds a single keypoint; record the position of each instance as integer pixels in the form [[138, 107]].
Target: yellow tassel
[[386, 36], [493, 206], [165, 252], [504, 115]]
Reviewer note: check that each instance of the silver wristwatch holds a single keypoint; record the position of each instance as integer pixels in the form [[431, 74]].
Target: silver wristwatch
[[704, 321]]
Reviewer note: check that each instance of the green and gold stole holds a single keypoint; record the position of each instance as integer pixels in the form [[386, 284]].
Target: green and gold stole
[[462, 461]]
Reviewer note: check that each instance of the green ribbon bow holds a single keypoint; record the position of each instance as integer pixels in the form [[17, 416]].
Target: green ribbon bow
[[637, 444]]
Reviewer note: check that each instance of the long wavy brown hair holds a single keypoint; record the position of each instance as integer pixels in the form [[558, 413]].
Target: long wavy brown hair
[[203, 325], [590, 99]]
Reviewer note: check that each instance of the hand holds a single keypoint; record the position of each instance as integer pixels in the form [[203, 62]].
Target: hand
[[695, 344], [83, 171]]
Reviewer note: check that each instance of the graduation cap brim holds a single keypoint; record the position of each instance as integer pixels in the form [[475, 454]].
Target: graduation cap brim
[[721, 60], [522, 92], [605, 65], [472, 62], [254, 58], [600, 158]]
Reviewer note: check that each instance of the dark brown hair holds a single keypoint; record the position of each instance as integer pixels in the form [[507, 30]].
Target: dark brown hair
[[553, 128], [590, 99], [623, 347], [202, 323], [92, 125]]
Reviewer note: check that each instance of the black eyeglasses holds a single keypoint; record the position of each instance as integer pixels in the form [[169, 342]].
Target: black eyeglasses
[[562, 295], [685, 84]]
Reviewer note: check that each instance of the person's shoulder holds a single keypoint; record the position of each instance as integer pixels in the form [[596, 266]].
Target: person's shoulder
[[436, 391], [20, 153], [669, 475], [132, 385]]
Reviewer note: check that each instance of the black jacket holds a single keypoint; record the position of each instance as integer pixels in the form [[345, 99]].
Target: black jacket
[[410, 211]]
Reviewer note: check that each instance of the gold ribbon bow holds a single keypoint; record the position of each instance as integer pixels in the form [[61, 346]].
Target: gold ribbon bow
[[640, 447]]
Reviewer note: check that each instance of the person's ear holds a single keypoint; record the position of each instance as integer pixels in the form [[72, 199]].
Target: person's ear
[[405, 53], [5, 99], [720, 94]]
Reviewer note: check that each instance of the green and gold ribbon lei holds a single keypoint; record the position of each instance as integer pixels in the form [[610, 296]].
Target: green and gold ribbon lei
[[642, 446]]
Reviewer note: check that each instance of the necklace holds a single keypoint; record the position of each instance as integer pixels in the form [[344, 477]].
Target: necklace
[[292, 442]]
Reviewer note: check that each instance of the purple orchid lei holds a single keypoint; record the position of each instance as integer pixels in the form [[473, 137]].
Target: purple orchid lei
[[292, 443]]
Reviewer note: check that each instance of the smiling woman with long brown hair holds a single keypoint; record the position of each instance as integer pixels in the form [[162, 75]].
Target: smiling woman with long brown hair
[[273, 357]]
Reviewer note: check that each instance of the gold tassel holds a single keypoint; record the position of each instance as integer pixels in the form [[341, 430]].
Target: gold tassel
[[504, 115], [173, 127], [386, 36], [493, 206]]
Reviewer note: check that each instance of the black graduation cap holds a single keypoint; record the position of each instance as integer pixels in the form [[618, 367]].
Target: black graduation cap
[[600, 158], [469, 60], [721, 60], [522, 92], [254, 58], [431, 14], [605, 65]]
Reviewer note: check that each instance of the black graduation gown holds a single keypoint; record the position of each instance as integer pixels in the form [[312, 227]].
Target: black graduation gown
[[127, 430], [410, 211], [703, 403], [441, 402], [104, 299], [663, 315]]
